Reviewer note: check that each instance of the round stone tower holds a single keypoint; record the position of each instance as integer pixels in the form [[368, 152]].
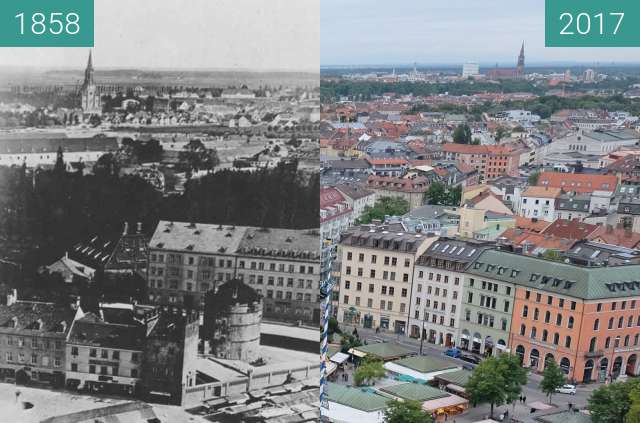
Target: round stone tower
[[232, 317]]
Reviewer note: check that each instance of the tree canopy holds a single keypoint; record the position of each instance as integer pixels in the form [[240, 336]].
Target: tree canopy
[[368, 371], [384, 206], [611, 403], [406, 412], [462, 134], [497, 381], [441, 194], [552, 378]]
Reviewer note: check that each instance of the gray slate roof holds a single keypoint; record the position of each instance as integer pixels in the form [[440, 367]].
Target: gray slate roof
[[586, 283]]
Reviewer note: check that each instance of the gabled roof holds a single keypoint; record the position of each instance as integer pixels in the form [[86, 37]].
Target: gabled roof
[[363, 399], [384, 350], [425, 364], [36, 317], [570, 229], [577, 182], [542, 192], [92, 331], [414, 392]]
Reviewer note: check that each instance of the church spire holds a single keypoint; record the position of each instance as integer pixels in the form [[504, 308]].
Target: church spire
[[520, 67], [88, 73]]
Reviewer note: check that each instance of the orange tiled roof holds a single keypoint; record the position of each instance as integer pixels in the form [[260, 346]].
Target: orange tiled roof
[[578, 182]]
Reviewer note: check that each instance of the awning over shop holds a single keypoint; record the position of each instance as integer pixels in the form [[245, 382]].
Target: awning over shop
[[357, 353], [444, 403], [339, 357], [455, 388]]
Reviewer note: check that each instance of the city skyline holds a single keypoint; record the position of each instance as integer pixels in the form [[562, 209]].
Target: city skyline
[[436, 33]]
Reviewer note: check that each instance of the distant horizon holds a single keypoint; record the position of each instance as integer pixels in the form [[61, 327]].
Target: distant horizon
[[481, 64], [362, 32]]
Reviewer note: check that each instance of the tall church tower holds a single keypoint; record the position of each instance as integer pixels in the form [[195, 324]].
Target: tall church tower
[[91, 103], [520, 67]]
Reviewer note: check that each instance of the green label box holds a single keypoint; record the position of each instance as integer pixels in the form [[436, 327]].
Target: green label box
[[592, 23], [46, 23]]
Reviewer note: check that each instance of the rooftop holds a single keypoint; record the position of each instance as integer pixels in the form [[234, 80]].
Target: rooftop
[[414, 392], [363, 399], [384, 350], [587, 283], [425, 364]]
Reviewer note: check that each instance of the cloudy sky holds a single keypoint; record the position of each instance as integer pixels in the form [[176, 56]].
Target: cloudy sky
[[356, 32], [212, 34]]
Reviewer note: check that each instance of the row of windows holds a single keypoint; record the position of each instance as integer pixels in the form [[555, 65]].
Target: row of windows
[[435, 318], [489, 302], [436, 305], [226, 263], [104, 370], [388, 261], [34, 343], [620, 325], [439, 277], [384, 289], [436, 291], [21, 357], [372, 274], [593, 344], [545, 336], [547, 317], [550, 300], [384, 304]]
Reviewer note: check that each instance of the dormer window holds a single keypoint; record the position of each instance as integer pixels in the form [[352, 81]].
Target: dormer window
[[13, 323]]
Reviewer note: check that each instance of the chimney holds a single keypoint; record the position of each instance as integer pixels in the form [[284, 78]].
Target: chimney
[[125, 229], [139, 228], [12, 297]]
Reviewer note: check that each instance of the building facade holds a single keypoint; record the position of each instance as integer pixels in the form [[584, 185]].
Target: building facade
[[376, 277], [436, 295], [283, 265]]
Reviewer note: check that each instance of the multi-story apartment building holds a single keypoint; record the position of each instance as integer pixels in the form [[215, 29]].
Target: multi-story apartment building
[[491, 161], [32, 341], [336, 215], [104, 357], [376, 276], [584, 318], [283, 265], [436, 295], [487, 305]]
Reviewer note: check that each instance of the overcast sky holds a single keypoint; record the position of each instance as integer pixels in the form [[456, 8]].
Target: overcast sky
[[356, 32], [220, 34]]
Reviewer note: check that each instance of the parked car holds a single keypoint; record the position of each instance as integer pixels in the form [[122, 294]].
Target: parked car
[[469, 358], [453, 352], [567, 389]]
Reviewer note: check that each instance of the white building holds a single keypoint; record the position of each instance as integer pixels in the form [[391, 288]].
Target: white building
[[436, 294], [470, 69], [336, 216], [539, 202]]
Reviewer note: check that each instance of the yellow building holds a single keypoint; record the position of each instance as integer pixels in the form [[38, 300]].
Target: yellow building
[[376, 276]]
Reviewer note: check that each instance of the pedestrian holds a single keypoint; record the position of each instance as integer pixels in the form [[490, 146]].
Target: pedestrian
[[17, 394], [570, 406], [524, 399], [520, 398]]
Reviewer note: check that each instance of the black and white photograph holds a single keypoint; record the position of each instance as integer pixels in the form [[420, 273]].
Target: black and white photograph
[[159, 217]]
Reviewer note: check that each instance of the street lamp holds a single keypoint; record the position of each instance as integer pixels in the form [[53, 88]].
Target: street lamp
[[422, 337]]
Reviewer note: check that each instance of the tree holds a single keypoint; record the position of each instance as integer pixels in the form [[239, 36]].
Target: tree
[[196, 156], [501, 133], [368, 371], [406, 412], [611, 403], [349, 341], [385, 206], [440, 194], [334, 327], [462, 134], [496, 380], [533, 178], [552, 379], [633, 416]]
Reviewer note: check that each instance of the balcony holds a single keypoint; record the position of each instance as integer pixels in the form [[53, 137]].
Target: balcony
[[594, 354]]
